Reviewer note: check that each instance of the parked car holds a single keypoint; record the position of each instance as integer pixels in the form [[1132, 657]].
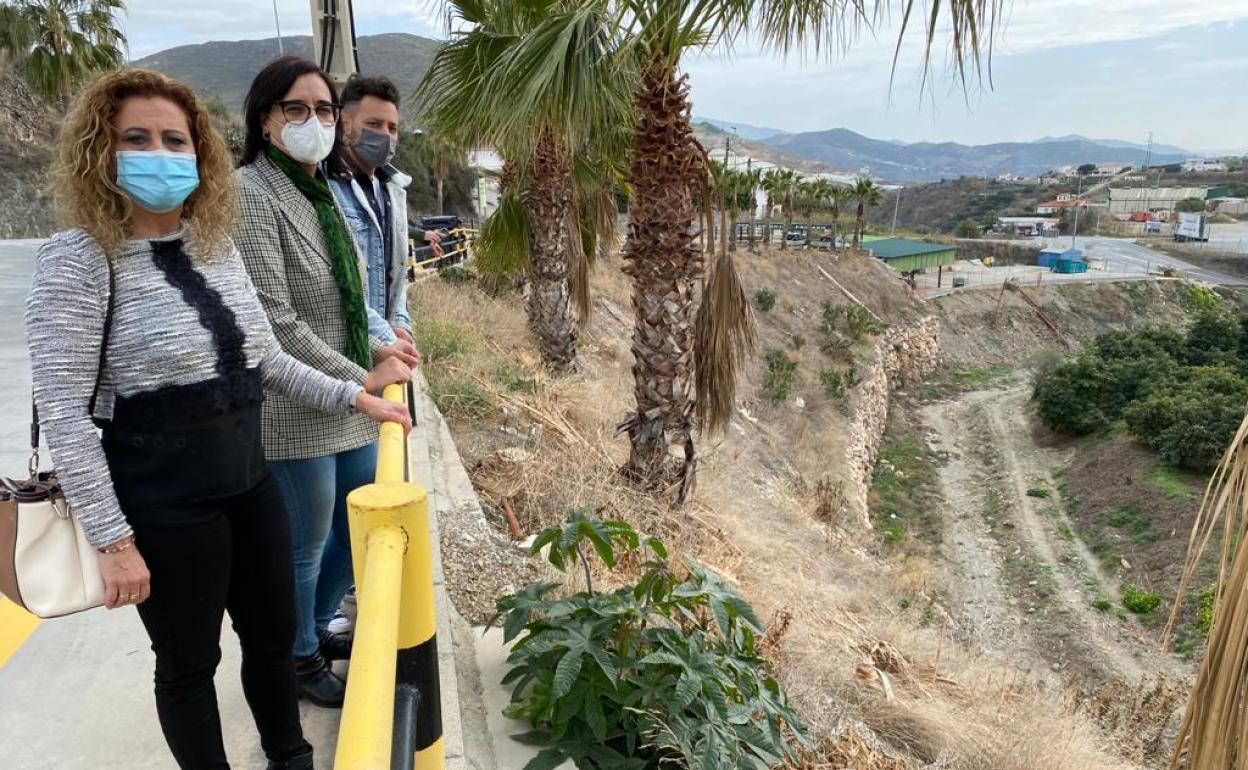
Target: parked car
[[795, 238]]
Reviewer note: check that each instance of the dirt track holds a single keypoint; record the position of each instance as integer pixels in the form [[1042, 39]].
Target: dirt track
[[1021, 584]]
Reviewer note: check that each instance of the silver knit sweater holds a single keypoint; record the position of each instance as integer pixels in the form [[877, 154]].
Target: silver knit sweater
[[156, 341]]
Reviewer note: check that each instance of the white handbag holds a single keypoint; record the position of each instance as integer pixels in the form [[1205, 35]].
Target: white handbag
[[46, 564]]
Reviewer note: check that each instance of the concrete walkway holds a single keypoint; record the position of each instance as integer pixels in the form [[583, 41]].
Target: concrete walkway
[[76, 694]]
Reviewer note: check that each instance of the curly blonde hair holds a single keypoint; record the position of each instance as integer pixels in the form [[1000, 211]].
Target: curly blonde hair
[[84, 168]]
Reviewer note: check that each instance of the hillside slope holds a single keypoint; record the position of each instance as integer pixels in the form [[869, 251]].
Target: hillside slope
[[877, 631], [27, 133], [929, 161], [225, 68]]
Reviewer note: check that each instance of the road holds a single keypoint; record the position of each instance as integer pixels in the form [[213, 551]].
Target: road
[[1125, 255], [78, 694]]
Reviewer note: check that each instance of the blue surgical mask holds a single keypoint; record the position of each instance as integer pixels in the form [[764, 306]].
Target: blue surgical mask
[[157, 180]]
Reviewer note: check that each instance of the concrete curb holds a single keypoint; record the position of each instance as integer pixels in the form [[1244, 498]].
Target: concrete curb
[[435, 465]]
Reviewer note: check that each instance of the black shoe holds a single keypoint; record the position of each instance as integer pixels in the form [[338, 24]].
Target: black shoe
[[300, 760], [317, 682], [335, 646]]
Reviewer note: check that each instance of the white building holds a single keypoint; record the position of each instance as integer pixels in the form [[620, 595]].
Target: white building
[[1027, 225], [1197, 165]]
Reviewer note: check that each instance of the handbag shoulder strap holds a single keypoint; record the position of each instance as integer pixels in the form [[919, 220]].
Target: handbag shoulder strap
[[99, 372]]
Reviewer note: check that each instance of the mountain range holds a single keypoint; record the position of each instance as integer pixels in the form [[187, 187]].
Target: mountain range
[[930, 161], [225, 68]]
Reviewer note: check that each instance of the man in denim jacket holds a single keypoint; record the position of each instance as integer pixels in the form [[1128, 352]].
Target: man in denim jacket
[[374, 201]]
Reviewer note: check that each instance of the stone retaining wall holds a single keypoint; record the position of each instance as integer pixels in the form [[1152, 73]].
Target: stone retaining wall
[[905, 355]]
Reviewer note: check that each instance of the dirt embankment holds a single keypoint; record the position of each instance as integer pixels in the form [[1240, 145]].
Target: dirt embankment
[[866, 656], [27, 133]]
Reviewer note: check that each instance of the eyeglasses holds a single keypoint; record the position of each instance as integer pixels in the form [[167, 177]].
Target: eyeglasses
[[297, 112]]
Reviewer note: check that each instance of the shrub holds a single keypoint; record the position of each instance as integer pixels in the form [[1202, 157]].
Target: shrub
[[843, 326], [1204, 613], [438, 339], [797, 341], [1213, 338], [765, 299], [456, 274], [1103, 604], [1040, 492], [1138, 600], [968, 228], [781, 373], [837, 384], [1191, 422], [457, 395], [664, 672]]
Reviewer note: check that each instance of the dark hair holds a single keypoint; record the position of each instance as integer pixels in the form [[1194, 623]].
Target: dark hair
[[359, 86], [267, 89]]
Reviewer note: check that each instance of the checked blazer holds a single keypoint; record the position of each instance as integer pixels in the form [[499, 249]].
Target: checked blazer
[[284, 250]]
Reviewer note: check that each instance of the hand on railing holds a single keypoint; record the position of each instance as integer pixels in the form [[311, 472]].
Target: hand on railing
[[384, 411], [387, 372]]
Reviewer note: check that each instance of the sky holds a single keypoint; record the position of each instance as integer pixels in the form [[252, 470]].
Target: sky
[[1113, 69]]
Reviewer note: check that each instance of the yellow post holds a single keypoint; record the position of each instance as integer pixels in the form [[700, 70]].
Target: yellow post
[[388, 511], [392, 444], [368, 712]]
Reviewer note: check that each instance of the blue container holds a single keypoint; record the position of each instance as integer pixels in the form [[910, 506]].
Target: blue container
[[1071, 266]]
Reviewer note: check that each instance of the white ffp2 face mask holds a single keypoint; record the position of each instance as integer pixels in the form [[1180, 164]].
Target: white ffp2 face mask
[[309, 141]]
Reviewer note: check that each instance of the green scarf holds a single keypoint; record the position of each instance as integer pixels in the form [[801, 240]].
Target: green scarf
[[341, 253]]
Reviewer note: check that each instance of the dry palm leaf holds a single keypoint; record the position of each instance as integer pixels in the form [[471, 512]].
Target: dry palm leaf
[[1214, 731]]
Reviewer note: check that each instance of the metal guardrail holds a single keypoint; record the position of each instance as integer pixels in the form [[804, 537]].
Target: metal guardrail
[[391, 719], [459, 249]]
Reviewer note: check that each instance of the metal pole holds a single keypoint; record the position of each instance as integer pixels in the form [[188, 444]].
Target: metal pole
[[896, 206], [1075, 231], [278, 23]]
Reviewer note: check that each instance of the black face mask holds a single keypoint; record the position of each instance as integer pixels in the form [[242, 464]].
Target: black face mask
[[374, 148]]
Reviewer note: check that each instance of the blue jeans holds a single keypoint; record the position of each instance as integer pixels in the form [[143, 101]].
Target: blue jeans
[[315, 491]]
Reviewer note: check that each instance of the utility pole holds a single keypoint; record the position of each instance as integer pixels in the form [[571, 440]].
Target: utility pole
[[896, 206], [1075, 231], [278, 23]]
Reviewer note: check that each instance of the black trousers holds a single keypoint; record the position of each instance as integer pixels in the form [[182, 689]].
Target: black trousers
[[233, 555]]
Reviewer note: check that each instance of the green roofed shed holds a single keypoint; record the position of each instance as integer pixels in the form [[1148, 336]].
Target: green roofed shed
[[906, 256]]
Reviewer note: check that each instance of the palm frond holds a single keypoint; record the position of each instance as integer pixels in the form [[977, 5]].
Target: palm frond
[[723, 337], [504, 246]]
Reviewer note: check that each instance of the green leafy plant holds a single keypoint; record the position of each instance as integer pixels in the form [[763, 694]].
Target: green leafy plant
[[1138, 600], [843, 326], [1103, 604], [781, 373], [1040, 492], [1204, 613], [837, 384], [663, 672], [456, 274], [797, 341], [765, 299]]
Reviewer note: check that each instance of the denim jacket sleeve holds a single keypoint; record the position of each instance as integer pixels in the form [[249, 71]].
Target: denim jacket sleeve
[[377, 327]]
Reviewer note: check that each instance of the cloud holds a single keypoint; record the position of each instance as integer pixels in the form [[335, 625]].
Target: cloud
[[154, 25]]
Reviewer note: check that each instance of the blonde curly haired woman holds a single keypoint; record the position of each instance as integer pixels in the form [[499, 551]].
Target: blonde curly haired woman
[[143, 320]]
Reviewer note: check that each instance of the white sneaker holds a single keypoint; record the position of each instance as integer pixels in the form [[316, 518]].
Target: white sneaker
[[341, 624]]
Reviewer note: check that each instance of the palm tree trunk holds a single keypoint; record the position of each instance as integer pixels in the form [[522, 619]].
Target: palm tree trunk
[[859, 224], [767, 223], [836, 228], [548, 201], [788, 222], [661, 258]]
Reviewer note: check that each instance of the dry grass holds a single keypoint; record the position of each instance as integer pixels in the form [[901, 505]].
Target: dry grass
[[880, 690]]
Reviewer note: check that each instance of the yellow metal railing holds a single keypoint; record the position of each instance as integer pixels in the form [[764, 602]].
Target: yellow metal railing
[[464, 236], [394, 661]]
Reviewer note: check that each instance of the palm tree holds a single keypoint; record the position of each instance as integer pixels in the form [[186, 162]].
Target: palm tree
[[786, 182], [748, 182], [687, 346], [557, 139], [866, 193], [773, 183], [836, 196], [60, 44]]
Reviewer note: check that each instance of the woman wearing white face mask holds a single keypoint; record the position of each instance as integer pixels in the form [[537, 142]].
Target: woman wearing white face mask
[[305, 265], [142, 318]]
